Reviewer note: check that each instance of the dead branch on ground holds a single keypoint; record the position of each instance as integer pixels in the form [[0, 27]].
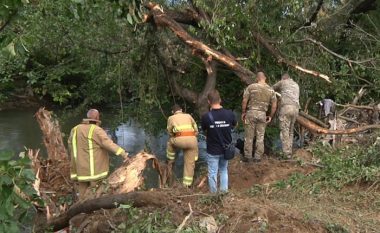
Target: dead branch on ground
[[136, 199]]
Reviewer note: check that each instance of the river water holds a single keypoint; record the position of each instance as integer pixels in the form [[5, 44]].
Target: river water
[[19, 129]]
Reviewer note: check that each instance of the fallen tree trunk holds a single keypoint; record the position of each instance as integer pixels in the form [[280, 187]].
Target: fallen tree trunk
[[319, 130], [136, 199], [313, 119]]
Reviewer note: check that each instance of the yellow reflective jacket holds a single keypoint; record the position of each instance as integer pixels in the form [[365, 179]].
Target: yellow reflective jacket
[[181, 122], [88, 145]]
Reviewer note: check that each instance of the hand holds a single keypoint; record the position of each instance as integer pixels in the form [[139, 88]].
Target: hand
[[125, 156], [268, 119], [243, 117]]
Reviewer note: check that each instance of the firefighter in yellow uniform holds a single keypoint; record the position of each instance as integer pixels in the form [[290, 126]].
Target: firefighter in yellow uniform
[[88, 145], [182, 131]]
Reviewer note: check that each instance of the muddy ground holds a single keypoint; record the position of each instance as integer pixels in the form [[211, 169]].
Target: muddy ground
[[254, 204]]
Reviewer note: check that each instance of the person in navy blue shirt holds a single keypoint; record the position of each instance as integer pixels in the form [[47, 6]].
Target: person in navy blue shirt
[[225, 121]]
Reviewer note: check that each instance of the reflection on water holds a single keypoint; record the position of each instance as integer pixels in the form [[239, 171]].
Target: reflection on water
[[19, 128]]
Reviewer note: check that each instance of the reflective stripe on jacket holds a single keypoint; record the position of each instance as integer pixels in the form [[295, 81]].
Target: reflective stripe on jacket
[[181, 122], [88, 145]]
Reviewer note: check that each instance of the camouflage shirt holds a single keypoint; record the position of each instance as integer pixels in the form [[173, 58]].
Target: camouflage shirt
[[259, 96], [290, 92]]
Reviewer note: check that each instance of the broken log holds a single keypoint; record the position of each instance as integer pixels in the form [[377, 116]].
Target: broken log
[[135, 199], [319, 130], [53, 173], [52, 136], [313, 119]]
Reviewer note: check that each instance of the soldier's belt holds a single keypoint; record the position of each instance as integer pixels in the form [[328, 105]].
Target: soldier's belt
[[255, 109], [183, 134]]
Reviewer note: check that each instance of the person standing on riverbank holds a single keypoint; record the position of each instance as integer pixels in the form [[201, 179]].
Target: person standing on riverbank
[[256, 99], [183, 132], [289, 107], [218, 128], [88, 145]]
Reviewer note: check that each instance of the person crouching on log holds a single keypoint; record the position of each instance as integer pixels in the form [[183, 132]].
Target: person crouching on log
[[182, 131], [89, 145]]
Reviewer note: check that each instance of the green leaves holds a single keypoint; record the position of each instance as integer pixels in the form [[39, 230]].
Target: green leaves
[[16, 191]]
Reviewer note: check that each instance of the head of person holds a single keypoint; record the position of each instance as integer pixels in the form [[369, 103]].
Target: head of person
[[176, 108], [285, 76], [93, 114], [260, 76], [214, 97]]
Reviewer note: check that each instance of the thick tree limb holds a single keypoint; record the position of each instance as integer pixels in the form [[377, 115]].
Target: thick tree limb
[[281, 59], [208, 87], [313, 119], [162, 19], [170, 71], [136, 199], [319, 130]]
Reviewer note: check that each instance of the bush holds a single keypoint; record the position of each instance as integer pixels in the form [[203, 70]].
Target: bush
[[16, 191]]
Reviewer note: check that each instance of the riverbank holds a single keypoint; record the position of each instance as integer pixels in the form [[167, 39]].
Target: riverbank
[[263, 197]]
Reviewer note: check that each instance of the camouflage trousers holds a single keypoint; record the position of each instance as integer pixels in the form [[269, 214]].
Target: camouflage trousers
[[189, 145], [254, 127], [288, 115]]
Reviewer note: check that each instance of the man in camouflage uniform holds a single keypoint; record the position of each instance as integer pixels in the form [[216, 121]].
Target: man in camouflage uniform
[[256, 99], [289, 108], [182, 131]]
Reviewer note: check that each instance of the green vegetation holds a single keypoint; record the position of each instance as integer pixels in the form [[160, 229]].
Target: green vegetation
[[85, 52], [153, 222], [342, 166], [16, 192]]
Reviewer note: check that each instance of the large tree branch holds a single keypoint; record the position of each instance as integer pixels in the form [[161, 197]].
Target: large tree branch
[[211, 68], [272, 50], [169, 70], [136, 199], [161, 19], [319, 130]]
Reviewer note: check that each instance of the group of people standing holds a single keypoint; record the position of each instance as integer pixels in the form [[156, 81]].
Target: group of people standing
[[89, 143], [219, 122]]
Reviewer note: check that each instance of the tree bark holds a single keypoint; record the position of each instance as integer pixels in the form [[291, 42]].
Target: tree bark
[[202, 104], [136, 199], [313, 119], [162, 19], [319, 130]]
